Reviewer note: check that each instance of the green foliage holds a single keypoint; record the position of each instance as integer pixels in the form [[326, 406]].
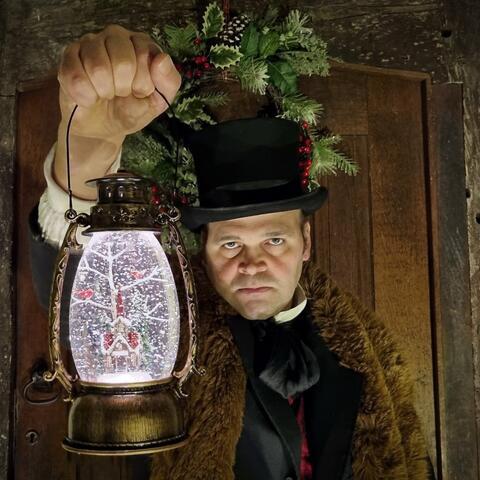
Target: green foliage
[[249, 42], [144, 155], [214, 99], [252, 74], [268, 17], [326, 160], [223, 56], [213, 21], [299, 107], [271, 54], [294, 29], [190, 110], [268, 44], [283, 76], [180, 40]]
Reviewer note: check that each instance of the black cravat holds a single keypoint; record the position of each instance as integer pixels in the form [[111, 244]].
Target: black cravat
[[281, 359]]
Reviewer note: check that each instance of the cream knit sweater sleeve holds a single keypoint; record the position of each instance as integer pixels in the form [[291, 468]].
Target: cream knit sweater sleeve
[[54, 202]]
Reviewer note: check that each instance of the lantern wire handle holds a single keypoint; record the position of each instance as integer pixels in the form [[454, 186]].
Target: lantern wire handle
[[71, 214]]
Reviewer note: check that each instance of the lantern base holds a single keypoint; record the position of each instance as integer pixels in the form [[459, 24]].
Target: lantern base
[[125, 423]]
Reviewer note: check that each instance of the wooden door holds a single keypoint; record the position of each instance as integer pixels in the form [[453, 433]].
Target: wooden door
[[377, 236]]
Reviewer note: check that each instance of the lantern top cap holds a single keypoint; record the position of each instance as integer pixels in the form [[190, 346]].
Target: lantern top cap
[[120, 176]]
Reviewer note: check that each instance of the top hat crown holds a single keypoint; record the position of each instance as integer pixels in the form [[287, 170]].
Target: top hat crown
[[246, 167]]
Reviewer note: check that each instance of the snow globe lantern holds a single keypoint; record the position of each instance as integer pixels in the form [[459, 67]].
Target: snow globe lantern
[[124, 324]]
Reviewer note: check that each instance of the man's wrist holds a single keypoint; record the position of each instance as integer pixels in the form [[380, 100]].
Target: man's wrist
[[89, 158]]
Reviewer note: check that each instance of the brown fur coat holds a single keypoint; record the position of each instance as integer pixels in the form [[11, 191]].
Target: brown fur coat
[[387, 441]]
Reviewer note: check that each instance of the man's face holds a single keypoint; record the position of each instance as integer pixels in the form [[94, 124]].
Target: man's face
[[255, 262]]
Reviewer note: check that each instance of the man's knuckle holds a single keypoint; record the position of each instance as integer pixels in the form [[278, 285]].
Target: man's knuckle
[[143, 88], [114, 28], [87, 38], [77, 84]]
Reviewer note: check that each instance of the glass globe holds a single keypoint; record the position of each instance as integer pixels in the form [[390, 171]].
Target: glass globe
[[124, 322]]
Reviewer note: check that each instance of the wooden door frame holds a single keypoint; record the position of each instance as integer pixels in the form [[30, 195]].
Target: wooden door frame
[[448, 262]]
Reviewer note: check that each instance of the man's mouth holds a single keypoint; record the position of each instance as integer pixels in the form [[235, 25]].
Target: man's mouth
[[251, 291]]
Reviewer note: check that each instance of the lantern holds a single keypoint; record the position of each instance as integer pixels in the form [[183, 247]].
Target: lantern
[[123, 325]]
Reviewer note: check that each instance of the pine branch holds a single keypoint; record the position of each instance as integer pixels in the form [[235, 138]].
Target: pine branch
[[294, 31], [326, 160], [145, 156], [252, 74], [299, 107], [309, 62], [214, 99]]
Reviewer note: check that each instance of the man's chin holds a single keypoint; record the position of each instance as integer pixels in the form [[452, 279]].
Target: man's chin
[[254, 312]]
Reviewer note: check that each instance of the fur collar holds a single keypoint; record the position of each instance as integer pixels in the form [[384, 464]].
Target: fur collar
[[387, 441]]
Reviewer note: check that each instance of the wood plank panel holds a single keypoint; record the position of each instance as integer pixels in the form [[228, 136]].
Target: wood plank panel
[[348, 230], [399, 229], [343, 95], [35, 135], [454, 332]]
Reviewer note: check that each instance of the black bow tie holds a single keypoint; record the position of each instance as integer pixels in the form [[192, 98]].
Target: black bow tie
[[281, 359]]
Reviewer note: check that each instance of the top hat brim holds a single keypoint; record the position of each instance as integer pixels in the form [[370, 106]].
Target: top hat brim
[[195, 217]]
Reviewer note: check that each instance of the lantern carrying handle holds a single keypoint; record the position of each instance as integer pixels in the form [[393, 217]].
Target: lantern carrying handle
[[169, 218], [58, 370]]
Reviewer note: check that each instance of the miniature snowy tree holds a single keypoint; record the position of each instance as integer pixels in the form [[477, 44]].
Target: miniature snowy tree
[[124, 312]]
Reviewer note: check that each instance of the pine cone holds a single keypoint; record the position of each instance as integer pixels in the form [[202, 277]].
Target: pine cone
[[232, 32]]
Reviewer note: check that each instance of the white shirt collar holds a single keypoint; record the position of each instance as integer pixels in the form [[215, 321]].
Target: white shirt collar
[[299, 302]]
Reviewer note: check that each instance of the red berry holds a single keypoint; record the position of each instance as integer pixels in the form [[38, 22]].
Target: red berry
[[206, 65], [300, 149], [154, 188], [307, 149], [305, 174], [197, 60], [309, 163], [197, 73], [197, 41], [304, 125], [304, 182], [308, 141], [188, 74]]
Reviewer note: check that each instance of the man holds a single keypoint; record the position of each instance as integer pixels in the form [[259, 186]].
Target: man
[[302, 382]]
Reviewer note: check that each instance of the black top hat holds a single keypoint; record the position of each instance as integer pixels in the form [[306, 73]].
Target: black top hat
[[247, 167]]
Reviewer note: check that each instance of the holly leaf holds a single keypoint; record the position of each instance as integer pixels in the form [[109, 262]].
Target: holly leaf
[[190, 110], [283, 76], [268, 43], [213, 21], [249, 43], [223, 56]]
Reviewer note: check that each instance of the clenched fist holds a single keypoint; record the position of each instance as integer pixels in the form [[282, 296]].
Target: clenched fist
[[111, 76]]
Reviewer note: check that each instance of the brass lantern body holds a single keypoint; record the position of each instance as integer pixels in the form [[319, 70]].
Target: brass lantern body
[[130, 419]]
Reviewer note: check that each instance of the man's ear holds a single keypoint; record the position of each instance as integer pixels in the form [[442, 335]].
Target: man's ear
[[307, 241]]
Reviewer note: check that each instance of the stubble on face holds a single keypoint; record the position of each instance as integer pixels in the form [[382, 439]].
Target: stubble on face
[[258, 276]]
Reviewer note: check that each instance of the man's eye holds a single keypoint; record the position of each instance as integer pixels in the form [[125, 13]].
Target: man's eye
[[276, 241], [230, 245]]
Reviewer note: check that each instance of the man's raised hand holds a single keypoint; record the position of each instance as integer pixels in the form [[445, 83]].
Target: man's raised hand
[[111, 75]]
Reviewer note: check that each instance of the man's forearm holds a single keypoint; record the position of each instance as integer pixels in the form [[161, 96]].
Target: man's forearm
[[89, 158]]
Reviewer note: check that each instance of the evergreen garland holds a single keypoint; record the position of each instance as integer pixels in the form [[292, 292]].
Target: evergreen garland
[[266, 55]]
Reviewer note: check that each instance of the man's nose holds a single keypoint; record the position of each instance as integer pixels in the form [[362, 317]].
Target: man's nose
[[252, 263]]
